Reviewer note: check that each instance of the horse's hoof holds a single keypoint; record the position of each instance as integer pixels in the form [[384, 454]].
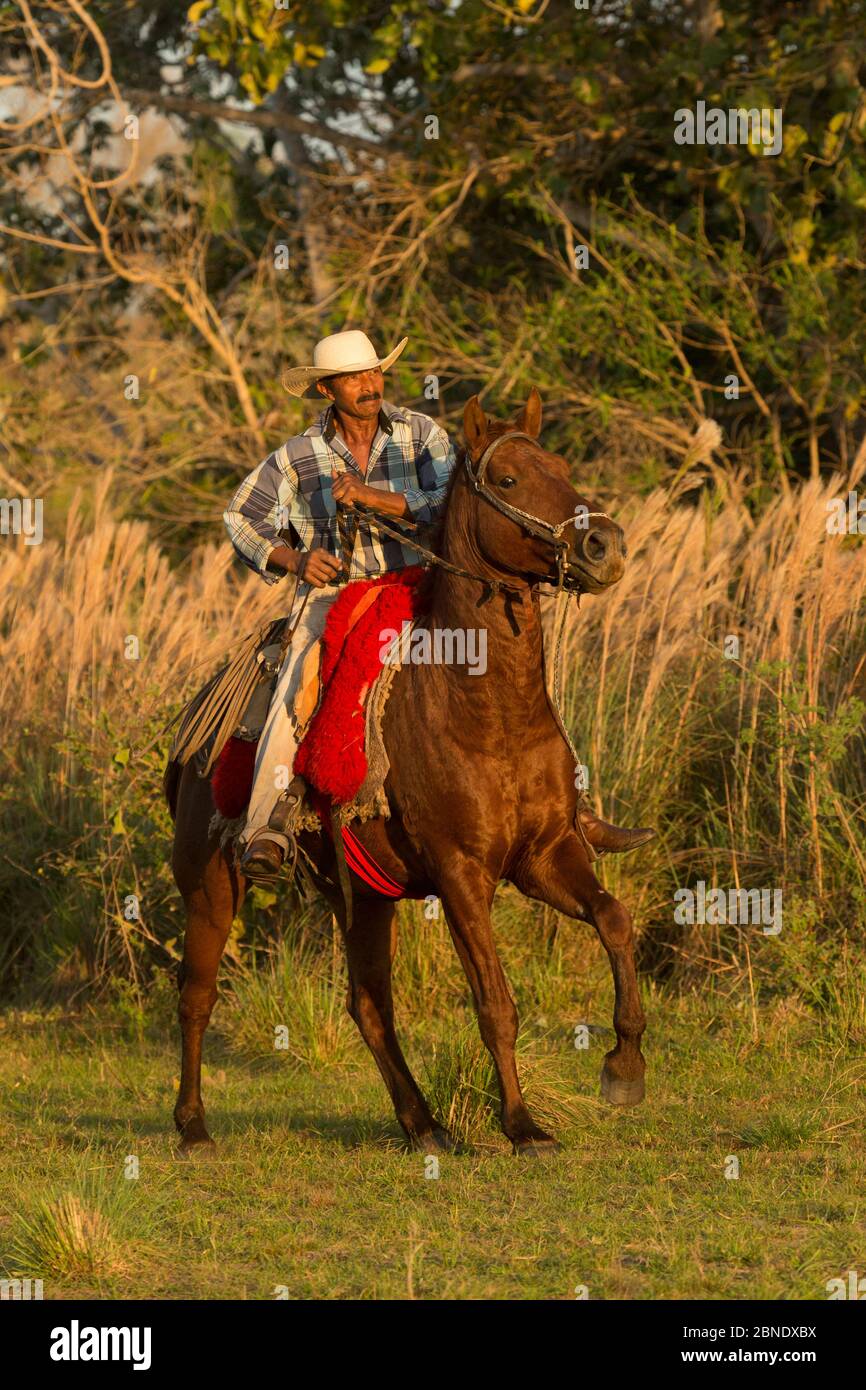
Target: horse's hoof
[[196, 1148], [196, 1145], [195, 1142], [537, 1148], [437, 1141], [616, 1091]]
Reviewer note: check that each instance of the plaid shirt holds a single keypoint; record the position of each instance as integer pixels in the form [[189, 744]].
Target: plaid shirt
[[291, 491]]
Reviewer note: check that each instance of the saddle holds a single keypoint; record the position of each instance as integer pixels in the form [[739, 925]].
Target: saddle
[[344, 686]]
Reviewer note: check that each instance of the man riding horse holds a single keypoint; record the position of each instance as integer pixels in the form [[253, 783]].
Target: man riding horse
[[361, 450]]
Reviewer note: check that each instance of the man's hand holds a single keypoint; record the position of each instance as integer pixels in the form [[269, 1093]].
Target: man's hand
[[318, 568], [347, 490]]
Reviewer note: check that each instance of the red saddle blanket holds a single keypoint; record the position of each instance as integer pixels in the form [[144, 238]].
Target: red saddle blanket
[[332, 756]]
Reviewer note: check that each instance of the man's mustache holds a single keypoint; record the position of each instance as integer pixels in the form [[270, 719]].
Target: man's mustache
[[361, 399]]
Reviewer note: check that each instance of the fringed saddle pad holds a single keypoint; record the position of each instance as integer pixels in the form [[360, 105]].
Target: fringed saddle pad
[[332, 756], [342, 755]]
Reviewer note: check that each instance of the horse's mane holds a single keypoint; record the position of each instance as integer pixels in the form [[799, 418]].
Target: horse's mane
[[434, 531], [460, 457]]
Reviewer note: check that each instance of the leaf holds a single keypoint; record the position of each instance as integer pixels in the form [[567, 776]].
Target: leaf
[[195, 12], [801, 234], [117, 825], [793, 137], [262, 898], [586, 89], [378, 65], [121, 757]]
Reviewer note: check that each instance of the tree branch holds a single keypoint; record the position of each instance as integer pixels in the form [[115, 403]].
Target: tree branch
[[265, 120]]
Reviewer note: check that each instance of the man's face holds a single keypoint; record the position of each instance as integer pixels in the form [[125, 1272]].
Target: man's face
[[357, 394]]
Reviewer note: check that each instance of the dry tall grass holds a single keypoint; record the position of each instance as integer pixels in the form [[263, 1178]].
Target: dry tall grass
[[752, 767], [101, 640], [749, 754]]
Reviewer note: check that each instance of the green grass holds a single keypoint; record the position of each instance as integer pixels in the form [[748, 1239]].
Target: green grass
[[311, 1190]]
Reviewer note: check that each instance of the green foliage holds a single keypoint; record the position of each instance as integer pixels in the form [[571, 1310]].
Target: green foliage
[[258, 41], [292, 1009], [79, 1232], [459, 1082], [311, 1187], [705, 261]]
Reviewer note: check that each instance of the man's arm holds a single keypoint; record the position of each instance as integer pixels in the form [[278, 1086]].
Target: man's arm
[[255, 516], [436, 461], [317, 567], [348, 489], [434, 465], [253, 520]]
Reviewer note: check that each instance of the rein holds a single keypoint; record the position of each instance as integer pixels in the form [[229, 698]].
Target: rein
[[399, 528]]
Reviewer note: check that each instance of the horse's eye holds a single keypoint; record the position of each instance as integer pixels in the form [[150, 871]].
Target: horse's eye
[[507, 482]]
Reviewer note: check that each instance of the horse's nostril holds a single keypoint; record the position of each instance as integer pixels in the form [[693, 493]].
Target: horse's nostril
[[595, 545]]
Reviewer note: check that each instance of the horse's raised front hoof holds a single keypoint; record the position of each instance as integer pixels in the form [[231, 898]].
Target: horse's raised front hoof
[[195, 1142], [616, 1091], [437, 1140], [537, 1148]]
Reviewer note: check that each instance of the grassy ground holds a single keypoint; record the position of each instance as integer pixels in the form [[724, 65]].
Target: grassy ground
[[311, 1191]]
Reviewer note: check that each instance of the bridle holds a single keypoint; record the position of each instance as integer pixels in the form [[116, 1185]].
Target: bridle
[[533, 525], [536, 526]]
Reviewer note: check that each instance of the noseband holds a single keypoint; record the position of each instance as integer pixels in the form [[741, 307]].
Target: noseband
[[533, 525]]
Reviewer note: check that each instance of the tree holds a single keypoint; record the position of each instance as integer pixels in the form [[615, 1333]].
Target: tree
[[443, 166]]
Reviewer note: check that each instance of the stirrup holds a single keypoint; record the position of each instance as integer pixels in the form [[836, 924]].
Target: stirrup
[[287, 809], [290, 864]]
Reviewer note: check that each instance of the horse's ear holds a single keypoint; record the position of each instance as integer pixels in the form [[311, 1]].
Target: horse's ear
[[529, 419], [474, 426]]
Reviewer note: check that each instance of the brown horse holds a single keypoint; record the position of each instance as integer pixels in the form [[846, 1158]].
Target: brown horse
[[481, 788]]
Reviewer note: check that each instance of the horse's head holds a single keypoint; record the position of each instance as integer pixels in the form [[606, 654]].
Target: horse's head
[[528, 510]]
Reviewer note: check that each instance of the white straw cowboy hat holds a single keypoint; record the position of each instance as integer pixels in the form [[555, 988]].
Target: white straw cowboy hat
[[351, 351]]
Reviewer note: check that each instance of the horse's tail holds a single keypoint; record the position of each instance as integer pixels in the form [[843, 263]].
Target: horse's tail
[[170, 784]]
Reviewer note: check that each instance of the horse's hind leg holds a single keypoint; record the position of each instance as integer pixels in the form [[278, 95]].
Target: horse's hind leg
[[212, 892], [370, 947], [207, 928]]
